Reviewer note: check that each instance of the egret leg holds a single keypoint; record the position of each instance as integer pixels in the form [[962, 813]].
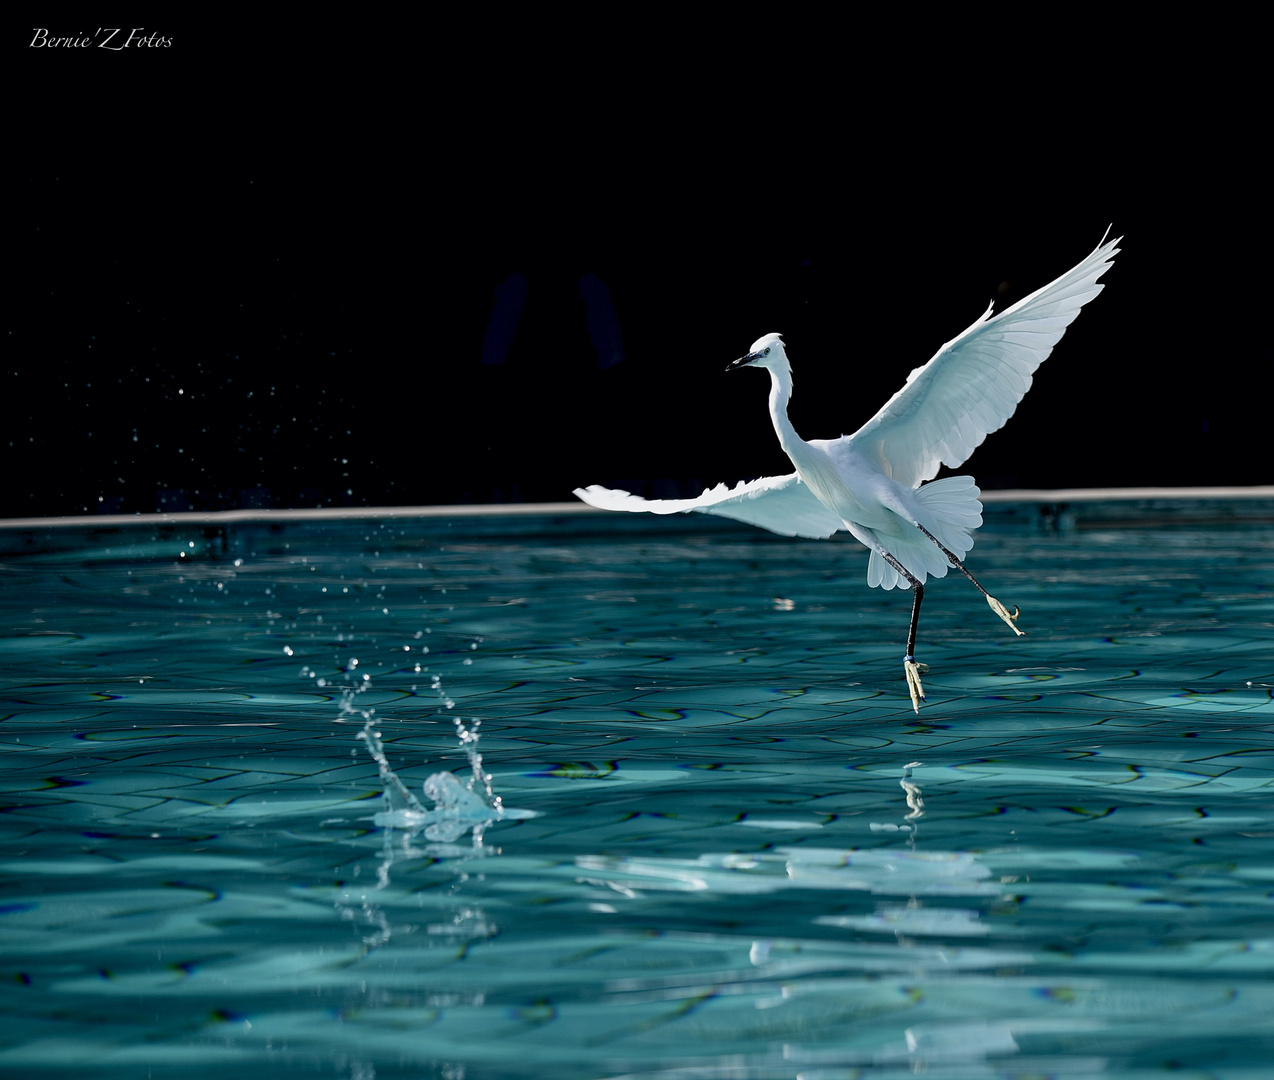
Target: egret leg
[[1003, 612], [910, 667]]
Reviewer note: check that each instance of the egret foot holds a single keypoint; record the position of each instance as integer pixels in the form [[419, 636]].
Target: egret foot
[[913, 672], [1003, 613]]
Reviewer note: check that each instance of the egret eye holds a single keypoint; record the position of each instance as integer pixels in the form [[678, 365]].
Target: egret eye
[[765, 351]]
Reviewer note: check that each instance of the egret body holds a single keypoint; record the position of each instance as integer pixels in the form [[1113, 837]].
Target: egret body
[[872, 484]]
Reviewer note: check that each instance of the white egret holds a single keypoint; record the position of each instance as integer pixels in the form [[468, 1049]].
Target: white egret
[[870, 483]]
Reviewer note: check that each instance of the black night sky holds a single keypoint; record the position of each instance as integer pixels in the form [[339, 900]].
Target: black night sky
[[305, 327]]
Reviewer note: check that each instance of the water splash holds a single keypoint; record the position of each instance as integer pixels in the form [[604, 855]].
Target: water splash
[[397, 795], [459, 807], [468, 737]]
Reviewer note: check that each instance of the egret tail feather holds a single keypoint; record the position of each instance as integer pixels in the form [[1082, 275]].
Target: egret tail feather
[[949, 508]]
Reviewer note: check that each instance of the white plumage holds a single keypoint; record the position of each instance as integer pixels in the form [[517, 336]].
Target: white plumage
[[872, 483]]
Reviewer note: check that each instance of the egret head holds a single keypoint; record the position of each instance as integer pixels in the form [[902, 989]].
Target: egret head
[[765, 352]]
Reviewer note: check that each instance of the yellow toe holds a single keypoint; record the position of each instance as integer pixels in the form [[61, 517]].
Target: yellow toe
[[1010, 620]]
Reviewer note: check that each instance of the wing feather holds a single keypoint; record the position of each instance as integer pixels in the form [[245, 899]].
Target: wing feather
[[974, 382], [782, 504]]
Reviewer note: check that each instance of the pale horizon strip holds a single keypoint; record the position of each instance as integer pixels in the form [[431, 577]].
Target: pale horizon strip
[[349, 513]]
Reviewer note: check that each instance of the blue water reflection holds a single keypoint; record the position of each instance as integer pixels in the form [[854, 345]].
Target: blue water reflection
[[735, 853]]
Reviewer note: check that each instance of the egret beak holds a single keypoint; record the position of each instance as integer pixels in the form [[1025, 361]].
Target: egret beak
[[742, 361]]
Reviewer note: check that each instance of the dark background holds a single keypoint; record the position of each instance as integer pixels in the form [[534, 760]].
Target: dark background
[[291, 301]]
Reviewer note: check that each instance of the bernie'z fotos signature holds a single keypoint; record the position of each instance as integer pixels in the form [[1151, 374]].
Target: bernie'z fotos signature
[[115, 39]]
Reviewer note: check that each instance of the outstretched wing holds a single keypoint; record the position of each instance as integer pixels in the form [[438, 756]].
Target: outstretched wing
[[974, 382], [782, 504]]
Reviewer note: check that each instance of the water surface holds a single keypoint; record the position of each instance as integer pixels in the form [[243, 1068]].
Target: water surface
[[738, 854]]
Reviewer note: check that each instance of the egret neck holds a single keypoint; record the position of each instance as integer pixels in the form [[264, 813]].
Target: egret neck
[[812, 464], [780, 394]]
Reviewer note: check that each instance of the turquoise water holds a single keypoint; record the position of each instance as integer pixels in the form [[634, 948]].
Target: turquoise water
[[723, 847]]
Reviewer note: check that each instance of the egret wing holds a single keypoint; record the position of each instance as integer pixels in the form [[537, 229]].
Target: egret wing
[[975, 381], [782, 504]]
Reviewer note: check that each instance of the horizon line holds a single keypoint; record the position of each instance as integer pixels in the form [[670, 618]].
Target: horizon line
[[210, 517]]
